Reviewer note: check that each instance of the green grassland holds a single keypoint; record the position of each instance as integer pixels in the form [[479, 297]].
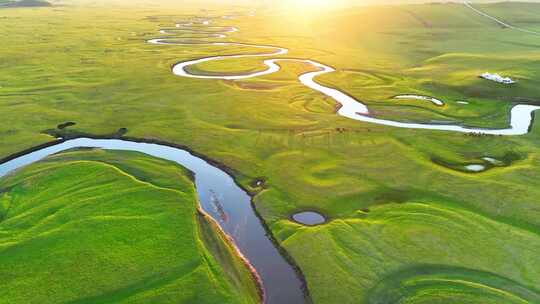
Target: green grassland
[[399, 220], [110, 227]]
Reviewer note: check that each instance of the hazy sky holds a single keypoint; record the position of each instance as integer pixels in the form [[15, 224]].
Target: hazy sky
[[367, 1], [349, 2]]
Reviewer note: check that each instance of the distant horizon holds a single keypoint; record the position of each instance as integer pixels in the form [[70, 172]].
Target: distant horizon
[[356, 2], [308, 4]]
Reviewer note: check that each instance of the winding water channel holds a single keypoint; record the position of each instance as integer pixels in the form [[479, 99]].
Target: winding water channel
[[521, 115], [220, 197]]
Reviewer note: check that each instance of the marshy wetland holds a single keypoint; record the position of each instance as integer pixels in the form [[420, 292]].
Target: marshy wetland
[[300, 168]]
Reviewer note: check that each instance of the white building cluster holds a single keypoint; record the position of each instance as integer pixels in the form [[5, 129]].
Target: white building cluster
[[497, 78]]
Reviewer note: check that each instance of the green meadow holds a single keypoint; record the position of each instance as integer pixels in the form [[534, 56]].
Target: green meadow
[[109, 227], [406, 223]]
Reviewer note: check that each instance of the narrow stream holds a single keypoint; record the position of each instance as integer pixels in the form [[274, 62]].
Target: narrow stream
[[521, 115], [220, 197]]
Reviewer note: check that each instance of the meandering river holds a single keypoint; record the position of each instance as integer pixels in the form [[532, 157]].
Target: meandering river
[[521, 115]]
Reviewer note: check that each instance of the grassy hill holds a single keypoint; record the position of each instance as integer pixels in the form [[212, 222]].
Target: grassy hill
[[107, 227]]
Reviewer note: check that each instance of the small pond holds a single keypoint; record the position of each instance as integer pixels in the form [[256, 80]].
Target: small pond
[[309, 218]]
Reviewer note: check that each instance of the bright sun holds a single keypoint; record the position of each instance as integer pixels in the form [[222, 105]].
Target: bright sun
[[313, 4]]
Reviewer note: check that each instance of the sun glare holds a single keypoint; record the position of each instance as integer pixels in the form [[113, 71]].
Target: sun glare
[[312, 4]]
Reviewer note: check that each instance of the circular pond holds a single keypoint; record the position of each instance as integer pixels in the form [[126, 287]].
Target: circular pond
[[309, 218]]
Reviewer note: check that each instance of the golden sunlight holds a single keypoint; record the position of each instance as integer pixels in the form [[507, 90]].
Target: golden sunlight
[[313, 4]]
